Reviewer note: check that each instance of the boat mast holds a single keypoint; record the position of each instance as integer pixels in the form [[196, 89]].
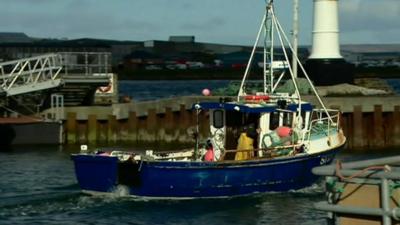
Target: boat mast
[[246, 73], [295, 36], [270, 33]]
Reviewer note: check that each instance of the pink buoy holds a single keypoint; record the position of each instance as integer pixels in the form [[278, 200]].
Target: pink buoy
[[283, 131], [206, 92]]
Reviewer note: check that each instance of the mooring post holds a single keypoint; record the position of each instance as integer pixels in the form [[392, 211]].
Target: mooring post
[[112, 129], [82, 130], [132, 127], [358, 139], [396, 126], [378, 131], [151, 123], [168, 120], [92, 129], [71, 127], [184, 115]]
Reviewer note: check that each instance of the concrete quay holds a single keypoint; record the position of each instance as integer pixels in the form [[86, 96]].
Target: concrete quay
[[368, 122]]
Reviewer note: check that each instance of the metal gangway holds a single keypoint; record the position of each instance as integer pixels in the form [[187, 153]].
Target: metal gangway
[[362, 192], [47, 71], [30, 74]]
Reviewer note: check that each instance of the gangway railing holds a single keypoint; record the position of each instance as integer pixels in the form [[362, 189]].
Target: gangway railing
[[86, 63], [30, 74], [49, 70], [362, 192]]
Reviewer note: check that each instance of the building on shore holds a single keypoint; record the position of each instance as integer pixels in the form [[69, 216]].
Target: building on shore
[[179, 52]]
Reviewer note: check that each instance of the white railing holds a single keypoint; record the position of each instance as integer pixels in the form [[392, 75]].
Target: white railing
[[86, 63], [322, 121], [43, 72], [30, 74]]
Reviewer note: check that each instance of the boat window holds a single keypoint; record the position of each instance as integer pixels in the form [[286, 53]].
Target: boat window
[[274, 120], [218, 119], [287, 119], [304, 116]]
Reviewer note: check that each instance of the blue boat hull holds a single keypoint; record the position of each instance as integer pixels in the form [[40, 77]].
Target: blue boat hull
[[164, 179]]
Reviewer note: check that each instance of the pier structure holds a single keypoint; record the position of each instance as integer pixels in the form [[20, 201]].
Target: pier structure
[[50, 81], [368, 122], [75, 75]]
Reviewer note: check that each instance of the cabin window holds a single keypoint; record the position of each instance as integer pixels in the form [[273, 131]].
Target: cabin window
[[218, 119], [274, 121], [287, 119], [304, 115]]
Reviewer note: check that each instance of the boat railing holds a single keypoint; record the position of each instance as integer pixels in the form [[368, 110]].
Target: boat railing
[[322, 123], [268, 152], [362, 191]]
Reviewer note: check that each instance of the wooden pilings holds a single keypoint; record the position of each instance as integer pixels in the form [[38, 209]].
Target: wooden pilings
[[71, 127], [372, 130], [170, 127], [377, 127], [396, 126]]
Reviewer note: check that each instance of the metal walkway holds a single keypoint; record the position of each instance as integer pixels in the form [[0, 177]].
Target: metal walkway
[[50, 71], [30, 74]]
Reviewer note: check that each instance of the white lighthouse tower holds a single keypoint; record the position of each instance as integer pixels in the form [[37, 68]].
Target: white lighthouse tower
[[325, 65]]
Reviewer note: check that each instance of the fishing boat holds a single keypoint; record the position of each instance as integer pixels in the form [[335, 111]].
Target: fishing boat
[[261, 141]]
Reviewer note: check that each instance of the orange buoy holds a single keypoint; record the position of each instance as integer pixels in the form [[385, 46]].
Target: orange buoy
[[283, 131]]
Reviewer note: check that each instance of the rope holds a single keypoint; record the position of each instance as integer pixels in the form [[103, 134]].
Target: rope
[[339, 174]]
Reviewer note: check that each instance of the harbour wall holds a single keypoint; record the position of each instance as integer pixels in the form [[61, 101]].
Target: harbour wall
[[368, 122]]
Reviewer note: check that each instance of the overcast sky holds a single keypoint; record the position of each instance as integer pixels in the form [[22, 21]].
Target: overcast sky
[[217, 21]]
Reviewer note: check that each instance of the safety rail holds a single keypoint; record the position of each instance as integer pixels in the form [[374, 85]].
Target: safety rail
[[369, 192], [267, 152], [321, 120], [86, 63], [44, 72], [30, 74]]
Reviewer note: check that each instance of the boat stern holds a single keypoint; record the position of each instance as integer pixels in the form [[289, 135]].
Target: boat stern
[[96, 173]]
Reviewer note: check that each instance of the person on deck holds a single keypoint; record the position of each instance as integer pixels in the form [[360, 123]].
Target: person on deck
[[246, 144]]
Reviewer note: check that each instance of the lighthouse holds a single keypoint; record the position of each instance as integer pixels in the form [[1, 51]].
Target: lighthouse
[[325, 64]]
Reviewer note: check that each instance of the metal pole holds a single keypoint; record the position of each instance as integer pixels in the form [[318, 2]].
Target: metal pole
[[251, 59], [354, 210], [52, 107], [295, 35], [330, 170], [385, 204], [86, 64]]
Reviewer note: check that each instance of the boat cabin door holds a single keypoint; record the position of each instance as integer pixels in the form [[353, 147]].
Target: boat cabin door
[[218, 129]]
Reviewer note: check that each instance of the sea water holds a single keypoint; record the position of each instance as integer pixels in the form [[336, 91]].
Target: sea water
[[151, 90], [38, 186]]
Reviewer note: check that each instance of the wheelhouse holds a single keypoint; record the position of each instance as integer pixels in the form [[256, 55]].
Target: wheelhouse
[[229, 120]]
